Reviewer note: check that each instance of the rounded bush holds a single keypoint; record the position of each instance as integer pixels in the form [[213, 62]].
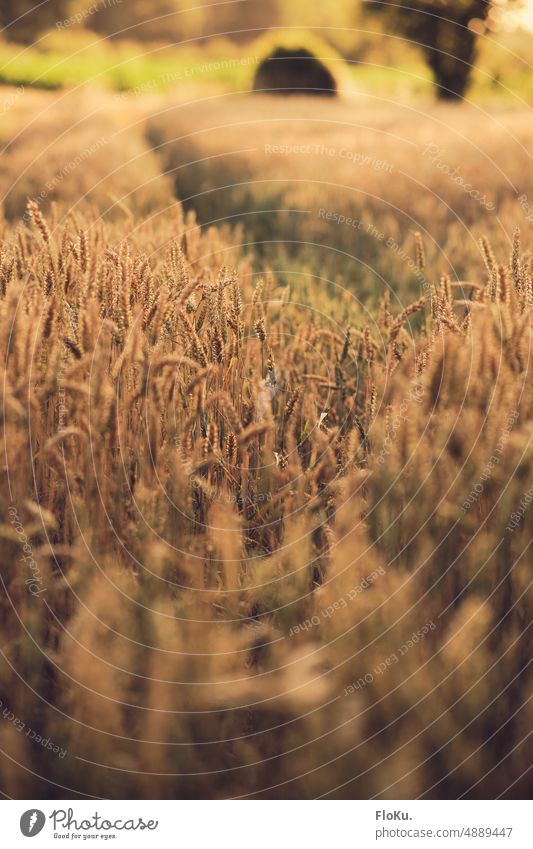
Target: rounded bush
[[294, 71]]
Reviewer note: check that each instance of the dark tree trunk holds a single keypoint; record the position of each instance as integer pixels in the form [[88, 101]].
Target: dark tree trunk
[[451, 77], [451, 63]]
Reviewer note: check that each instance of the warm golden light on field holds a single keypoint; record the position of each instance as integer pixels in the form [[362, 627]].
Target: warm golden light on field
[[266, 487]]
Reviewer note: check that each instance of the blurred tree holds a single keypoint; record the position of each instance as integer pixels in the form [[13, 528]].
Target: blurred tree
[[174, 20], [242, 20], [24, 20], [146, 20], [446, 31]]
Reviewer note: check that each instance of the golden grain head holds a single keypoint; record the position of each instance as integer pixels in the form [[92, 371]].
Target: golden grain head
[[201, 508]]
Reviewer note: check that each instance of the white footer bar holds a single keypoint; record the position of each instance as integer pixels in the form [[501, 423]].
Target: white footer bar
[[267, 824]]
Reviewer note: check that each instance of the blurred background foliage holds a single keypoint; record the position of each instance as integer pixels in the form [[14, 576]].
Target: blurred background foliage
[[124, 44]]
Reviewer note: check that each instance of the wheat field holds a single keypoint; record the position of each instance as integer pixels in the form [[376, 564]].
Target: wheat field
[[257, 543]]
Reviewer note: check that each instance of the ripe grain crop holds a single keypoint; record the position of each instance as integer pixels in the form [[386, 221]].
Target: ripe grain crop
[[195, 460]]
